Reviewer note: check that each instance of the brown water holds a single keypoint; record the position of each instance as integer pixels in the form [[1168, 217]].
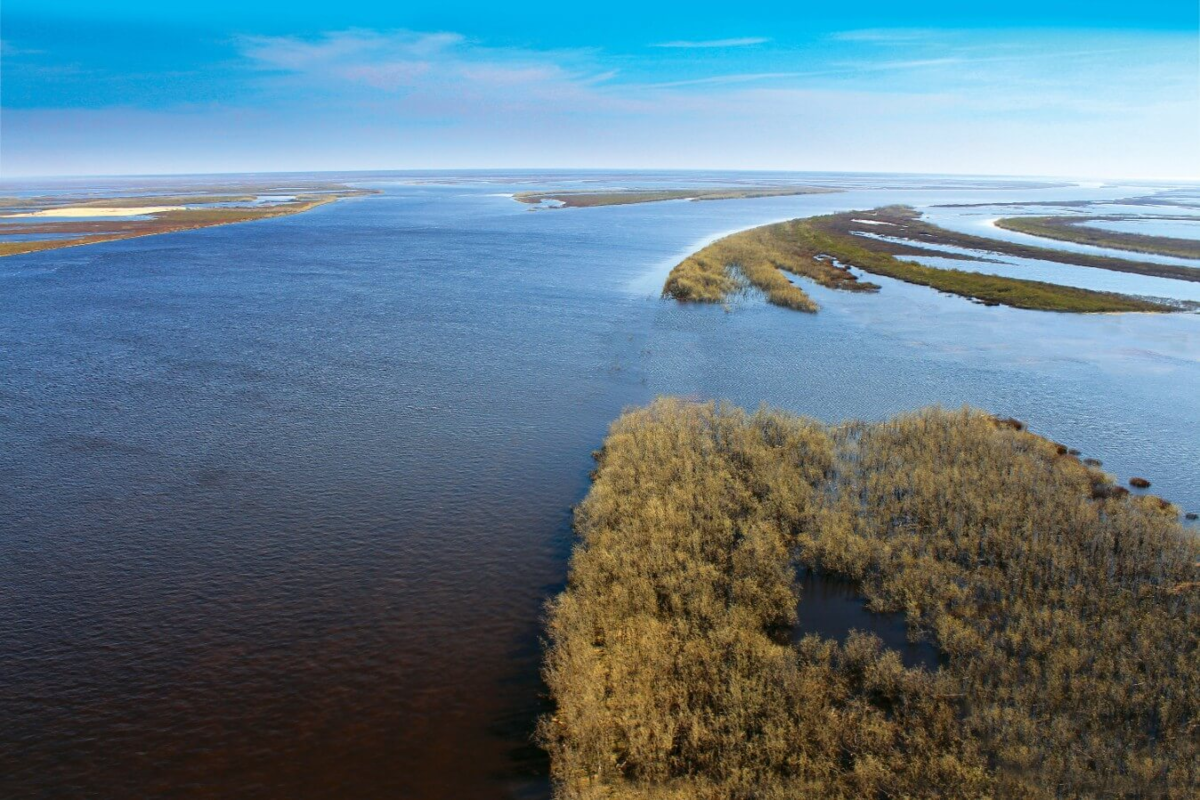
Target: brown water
[[280, 503]]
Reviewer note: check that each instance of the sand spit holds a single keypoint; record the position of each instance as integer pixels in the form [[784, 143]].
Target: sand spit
[[99, 211]]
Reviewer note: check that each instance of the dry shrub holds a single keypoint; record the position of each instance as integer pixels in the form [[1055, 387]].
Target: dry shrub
[[1067, 616]]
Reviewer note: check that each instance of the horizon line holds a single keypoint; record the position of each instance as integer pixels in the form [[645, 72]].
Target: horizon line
[[1012, 176]]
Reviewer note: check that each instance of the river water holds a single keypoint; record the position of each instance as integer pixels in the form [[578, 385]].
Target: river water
[[280, 502]]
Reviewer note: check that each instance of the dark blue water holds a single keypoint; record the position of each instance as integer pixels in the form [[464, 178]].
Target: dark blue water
[[280, 502]]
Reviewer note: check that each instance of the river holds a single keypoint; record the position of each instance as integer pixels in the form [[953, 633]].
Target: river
[[282, 501]]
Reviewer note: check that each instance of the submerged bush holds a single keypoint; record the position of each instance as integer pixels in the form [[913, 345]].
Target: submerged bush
[[1067, 616]]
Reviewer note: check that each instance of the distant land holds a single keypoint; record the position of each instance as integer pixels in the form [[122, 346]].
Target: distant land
[[57, 221], [585, 199]]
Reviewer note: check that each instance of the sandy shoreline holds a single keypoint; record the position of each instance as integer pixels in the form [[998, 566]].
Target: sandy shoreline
[[98, 211]]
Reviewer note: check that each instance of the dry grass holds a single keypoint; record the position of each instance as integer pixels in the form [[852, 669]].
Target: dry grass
[[1068, 616]]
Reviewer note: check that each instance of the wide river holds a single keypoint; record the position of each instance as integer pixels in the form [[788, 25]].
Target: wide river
[[281, 502]]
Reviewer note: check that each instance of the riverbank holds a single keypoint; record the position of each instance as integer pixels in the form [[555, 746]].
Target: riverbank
[[823, 249], [670, 660]]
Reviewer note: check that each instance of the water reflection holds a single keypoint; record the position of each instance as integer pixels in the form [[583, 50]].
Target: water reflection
[[832, 607]]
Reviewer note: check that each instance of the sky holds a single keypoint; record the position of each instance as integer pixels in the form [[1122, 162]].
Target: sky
[[1023, 87]]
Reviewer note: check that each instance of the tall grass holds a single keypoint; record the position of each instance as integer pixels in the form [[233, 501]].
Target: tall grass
[[761, 255], [1067, 614]]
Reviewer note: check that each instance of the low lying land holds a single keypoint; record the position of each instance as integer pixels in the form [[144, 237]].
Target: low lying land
[[1077, 230], [1158, 200], [165, 213], [757, 256], [1067, 612], [85, 210], [905, 222], [824, 248], [625, 197]]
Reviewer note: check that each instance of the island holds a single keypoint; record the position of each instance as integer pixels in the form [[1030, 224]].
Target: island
[[30, 225], [1076, 229], [825, 248], [621, 197], [1062, 606]]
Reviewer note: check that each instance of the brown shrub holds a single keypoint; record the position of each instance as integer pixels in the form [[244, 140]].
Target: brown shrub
[[1068, 618]]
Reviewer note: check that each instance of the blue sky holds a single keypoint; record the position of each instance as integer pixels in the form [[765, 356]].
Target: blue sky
[[1103, 89]]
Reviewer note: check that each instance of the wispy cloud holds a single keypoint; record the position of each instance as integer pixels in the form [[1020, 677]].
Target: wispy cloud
[[8, 49], [292, 53], [734, 78], [744, 41], [886, 35], [440, 76], [941, 72]]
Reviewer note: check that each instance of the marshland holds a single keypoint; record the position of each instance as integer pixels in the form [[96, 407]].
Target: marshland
[[825, 248], [1082, 230], [1065, 611], [285, 500]]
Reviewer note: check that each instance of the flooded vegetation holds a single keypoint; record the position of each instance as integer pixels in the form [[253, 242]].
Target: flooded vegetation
[[1065, 613], [757, 257], [1078, 230], [824, 249]]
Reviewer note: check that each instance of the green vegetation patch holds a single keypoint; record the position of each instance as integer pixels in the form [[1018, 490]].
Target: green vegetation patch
[[906, 222], [1065, 607], [1077, 230], [823, 248]]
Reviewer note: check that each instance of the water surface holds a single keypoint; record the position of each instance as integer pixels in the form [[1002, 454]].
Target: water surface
[[281, 501]]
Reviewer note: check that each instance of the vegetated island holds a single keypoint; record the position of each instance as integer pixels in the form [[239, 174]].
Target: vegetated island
[[906, 222], [127, 217], [1077, 230], [1066, 611], [824, 249], [587, 199]]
